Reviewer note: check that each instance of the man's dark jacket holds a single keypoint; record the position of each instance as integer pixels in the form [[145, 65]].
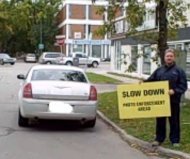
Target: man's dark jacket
[[176, 77]]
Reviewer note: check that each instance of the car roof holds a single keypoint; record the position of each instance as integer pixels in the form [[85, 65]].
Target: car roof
[[78, 53], [30, 54], [3, 53], [52, 53], [61, 67]]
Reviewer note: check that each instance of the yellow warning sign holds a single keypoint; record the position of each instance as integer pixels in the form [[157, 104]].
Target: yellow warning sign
[[146, 100]]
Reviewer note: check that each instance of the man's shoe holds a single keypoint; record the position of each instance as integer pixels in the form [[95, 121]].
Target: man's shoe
[[176, 145], [156, 143]]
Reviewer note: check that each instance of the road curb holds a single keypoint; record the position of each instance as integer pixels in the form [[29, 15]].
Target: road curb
[[145, 147]]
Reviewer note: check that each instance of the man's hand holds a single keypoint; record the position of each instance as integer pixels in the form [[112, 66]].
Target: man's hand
[[171, 92]]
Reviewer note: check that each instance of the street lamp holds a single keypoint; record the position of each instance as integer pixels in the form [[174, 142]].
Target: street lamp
[[40, 44]]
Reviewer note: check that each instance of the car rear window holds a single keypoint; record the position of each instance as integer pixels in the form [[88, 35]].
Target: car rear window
[[52, 55], [58, 75], [31, 55], [4, 56]]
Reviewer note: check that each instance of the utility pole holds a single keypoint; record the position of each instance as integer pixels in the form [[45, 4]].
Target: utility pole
[[41, 46]]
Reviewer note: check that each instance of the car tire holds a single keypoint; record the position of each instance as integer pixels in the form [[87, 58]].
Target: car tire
[[1, 62], [12, 63], [48, 62], [95, 64], [90, 123], [22, 122], [69, 63]]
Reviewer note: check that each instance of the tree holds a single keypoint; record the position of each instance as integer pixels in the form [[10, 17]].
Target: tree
[[5, 26], [169, 16], [21, 22]]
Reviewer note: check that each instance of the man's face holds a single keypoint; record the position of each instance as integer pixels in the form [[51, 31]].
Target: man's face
[[169, 58]]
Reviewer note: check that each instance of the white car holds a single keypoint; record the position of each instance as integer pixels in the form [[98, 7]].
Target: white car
[[49, 57], [6, 59], [56, 92], [30, 58], [78, 58]]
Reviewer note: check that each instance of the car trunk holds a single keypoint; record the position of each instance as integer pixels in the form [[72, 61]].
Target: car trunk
[[60, 90]]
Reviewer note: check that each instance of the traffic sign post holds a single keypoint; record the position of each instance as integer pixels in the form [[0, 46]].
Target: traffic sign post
[[41, 46], [60, 40]]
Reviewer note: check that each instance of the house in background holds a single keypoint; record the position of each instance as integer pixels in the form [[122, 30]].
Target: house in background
[[78, 22], [125, 50]]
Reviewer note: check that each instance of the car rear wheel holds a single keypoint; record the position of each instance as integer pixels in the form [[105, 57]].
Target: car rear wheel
[[49, 62], [90, 123], [23, 122], [69, 63], [12, 63], [95, 64], [1, 62]]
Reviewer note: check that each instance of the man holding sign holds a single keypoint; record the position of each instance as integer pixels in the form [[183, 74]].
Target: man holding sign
[[177, 86]]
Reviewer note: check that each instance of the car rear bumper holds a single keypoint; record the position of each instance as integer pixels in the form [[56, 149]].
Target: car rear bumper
[[40, 110], [30, 60]]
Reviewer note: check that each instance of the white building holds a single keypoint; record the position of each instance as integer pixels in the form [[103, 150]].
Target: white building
[[128, 49]]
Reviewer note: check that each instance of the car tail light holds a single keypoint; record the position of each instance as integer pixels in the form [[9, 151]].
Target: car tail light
[[27, 92], [93, 93]]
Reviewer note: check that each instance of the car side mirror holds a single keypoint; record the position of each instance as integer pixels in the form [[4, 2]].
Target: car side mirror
[[21, 76]]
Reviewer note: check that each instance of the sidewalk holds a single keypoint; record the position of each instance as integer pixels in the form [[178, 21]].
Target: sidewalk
[[132, 80], [120, 78]]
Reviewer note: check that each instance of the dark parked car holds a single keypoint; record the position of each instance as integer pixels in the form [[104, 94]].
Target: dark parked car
[[106, 59], [5, 58]]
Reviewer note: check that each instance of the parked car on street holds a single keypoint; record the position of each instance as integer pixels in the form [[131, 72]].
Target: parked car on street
[[49, 57], [6, 59], [30, 58], [106, 59], [57, 92], [80, 58]]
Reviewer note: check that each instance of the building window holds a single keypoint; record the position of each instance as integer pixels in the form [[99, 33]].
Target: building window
[[119, 26], [89, 12], [188, 61], [171, 46], [117, 55], [77, 48], [96, 50], [179, 47], [146, 60], [108, 52], [70, 11], [134, 58]]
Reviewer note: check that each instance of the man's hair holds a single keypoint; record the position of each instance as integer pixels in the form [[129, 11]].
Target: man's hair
[[169, 50]]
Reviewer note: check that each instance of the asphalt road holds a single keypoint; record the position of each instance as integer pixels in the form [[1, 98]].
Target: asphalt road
[[52, 140]]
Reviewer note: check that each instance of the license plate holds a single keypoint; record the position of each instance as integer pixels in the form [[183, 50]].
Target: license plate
[[60, 107]]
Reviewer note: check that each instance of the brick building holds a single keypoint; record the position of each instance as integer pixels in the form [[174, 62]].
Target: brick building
[[78, 22]]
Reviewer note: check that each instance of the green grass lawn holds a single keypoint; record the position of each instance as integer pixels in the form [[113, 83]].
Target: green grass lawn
[[145, 128], [95, 78]]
